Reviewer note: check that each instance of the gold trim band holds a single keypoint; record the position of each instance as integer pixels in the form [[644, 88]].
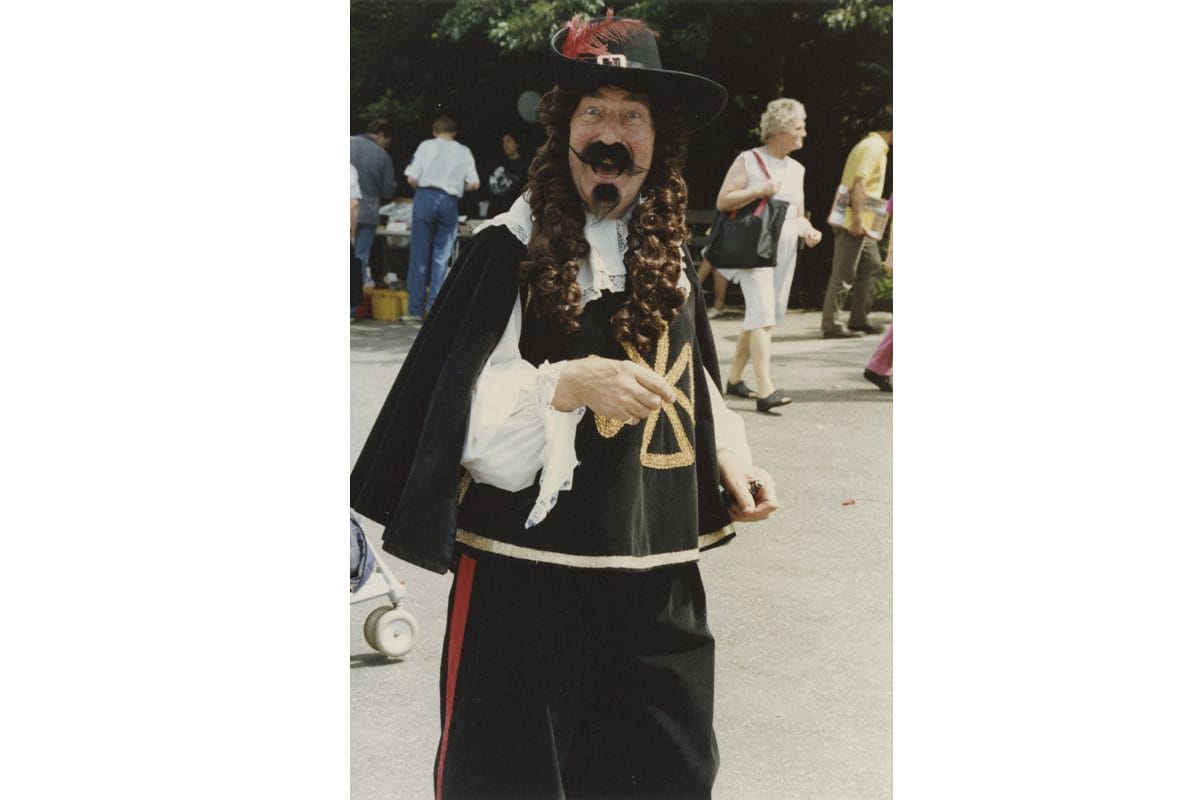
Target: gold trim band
[[499, 548], [709, 539]]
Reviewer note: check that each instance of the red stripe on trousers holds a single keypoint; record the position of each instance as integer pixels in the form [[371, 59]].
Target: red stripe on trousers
[[458, 623]]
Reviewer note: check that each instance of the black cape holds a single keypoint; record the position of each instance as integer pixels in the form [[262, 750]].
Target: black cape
[[408, 474]]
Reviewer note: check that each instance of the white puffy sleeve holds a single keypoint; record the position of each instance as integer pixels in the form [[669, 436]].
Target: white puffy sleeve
[[513, 431], [728, 428]]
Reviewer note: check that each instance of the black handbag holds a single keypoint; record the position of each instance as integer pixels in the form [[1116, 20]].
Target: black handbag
[[747, 237]]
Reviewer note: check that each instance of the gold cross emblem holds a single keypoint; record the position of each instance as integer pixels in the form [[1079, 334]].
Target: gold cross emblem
[[608, 427]]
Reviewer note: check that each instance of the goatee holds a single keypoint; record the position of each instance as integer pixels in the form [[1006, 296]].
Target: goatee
[[605, 198]]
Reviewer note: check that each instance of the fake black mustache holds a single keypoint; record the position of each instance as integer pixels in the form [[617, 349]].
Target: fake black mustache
[[617, 156]]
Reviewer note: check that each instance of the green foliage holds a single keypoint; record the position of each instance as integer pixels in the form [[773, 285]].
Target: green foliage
[[854, 15], [397, 111], [883, 287], [413, 60], [861, 99], [466, 15], [514, 26]]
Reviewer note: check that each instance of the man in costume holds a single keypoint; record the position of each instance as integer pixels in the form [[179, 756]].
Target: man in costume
[[556, 437]]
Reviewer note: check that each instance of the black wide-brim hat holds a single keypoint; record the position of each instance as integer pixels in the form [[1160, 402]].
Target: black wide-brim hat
[[617, 51]]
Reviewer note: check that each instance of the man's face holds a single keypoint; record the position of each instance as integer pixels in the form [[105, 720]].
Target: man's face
[[510, 146], [614, 117]]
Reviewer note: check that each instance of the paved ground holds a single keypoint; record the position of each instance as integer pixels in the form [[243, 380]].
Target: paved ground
[[800, 604]]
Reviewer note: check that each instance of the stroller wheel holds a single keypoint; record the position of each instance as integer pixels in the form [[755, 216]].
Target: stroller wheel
[[395, 632], [371, 622]]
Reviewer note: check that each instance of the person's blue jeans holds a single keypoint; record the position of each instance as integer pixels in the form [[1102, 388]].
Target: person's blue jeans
[[364, 235], [434, 228]]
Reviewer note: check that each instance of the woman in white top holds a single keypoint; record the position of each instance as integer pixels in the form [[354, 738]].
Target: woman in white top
[[766, 289]]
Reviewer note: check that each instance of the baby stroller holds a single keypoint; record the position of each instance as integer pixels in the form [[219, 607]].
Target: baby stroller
[[389, 629]]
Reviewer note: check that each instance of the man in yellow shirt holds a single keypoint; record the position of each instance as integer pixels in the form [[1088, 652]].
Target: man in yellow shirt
[[856, 263]]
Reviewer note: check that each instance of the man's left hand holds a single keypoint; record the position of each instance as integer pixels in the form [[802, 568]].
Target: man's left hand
[[737, 476]]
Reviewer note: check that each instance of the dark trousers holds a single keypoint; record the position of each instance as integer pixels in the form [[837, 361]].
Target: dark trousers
[[356, 279], [364, 237], [560, 682]]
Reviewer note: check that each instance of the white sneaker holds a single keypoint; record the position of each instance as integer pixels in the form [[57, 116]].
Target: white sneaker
[[716, 313], [368, 284]]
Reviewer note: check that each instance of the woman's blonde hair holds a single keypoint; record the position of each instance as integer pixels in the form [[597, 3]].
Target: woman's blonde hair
[[780, 115]]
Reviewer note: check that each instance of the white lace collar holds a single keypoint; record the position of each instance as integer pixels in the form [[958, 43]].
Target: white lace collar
[[604, 268], [516, 219]]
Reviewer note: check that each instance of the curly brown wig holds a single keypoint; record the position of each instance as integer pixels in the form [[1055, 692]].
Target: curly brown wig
[[657, 231]]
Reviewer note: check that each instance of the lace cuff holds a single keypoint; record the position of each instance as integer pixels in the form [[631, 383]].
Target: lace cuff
[[558, 452], [547, 384]]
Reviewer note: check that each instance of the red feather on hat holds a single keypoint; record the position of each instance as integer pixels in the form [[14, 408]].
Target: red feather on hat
[[592, 38]]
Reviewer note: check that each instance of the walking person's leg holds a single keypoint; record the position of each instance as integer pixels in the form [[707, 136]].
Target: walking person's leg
[[356, 282], [754, 347], [445, 234], [869, 267], [760, 359], [720, 286], [420, 249], [879, 368], [364, 236], [846, 250], [881, 359], [741, 357], [756, 285]]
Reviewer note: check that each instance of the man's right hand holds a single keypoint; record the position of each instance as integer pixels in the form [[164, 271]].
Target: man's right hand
[[856, 228], [621, 390]]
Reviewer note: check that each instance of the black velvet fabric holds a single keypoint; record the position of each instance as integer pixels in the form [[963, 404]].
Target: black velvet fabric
[[619, 504], [408, 474], [579, 683]]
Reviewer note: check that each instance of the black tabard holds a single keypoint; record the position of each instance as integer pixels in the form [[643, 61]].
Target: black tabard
[[643, 495], [408, 475]]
